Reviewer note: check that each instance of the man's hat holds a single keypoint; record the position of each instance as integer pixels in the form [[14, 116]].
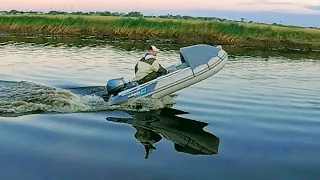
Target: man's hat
[[154, 48]]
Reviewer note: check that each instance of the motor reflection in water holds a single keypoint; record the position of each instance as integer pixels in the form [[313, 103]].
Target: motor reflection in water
[[187, 135]]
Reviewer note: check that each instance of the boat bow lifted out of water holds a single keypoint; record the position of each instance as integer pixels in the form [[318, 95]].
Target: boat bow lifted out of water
[[198, 62]]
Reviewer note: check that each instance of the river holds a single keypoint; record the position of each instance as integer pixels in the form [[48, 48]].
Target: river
[[258, 118]]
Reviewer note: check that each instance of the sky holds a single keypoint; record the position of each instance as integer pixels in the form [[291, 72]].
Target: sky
[[292, 12]]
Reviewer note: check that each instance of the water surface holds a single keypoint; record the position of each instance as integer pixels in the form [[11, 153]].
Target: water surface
[[258, 118]]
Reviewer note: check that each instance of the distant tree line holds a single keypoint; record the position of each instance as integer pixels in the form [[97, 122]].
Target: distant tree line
[[108, 13], [132, 14]]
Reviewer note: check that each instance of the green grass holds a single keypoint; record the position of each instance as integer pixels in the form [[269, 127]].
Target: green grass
[[190, 31]]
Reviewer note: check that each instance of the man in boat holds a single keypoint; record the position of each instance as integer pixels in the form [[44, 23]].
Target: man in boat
[[148, 68]]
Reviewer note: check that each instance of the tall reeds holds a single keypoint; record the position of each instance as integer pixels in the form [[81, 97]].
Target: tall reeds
[[191, 31]]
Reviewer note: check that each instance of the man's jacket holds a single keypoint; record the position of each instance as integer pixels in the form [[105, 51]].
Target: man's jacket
[[148, 65]]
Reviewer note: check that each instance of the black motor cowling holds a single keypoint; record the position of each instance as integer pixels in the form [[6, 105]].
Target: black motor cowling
[[114, 86]]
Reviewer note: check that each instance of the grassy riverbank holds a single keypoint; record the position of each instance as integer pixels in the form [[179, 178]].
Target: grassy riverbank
[[256, 36]]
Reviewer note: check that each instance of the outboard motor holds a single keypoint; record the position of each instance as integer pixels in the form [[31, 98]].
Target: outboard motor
[[114, 86]]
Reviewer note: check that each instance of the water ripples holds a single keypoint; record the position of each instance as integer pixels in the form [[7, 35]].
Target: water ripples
[[265, 110]]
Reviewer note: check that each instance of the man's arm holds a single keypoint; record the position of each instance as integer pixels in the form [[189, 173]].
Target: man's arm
[[162, 70], [159, 68]]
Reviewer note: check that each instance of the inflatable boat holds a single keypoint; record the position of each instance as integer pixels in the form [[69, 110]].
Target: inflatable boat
[[198, 62]]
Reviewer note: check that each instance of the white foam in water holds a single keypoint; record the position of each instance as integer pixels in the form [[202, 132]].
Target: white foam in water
[[147, 104], [19, 98]]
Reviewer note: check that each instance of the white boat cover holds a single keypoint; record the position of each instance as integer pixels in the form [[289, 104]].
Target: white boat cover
[[197, 55]]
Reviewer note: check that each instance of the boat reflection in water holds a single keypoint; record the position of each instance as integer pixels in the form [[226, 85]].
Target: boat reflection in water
[[187, 135]]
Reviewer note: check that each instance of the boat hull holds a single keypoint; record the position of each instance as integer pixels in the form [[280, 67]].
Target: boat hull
[[173, 82]]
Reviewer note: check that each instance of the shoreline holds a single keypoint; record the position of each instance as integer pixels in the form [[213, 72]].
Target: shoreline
[[140, 45], [242, 35]]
